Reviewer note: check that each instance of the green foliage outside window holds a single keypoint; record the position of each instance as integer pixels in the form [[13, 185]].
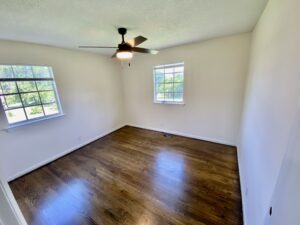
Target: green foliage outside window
[[169, 83], [27, 92]]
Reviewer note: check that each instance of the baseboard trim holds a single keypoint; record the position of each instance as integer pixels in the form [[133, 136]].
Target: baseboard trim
[[185, 135], [242, 185], [47, 161]]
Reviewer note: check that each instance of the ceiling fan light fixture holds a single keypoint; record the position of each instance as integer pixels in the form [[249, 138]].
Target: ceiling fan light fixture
[[126, 48], [124, 55]]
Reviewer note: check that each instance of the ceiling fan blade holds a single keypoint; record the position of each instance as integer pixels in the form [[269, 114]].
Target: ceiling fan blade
[[114, 55], [95, 47], [144, 50], [137, 41]]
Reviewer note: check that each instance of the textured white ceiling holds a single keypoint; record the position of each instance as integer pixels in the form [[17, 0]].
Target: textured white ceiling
[[69, 23]]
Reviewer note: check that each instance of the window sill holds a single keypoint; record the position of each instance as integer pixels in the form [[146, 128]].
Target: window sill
[[33, 121], [169, 103]]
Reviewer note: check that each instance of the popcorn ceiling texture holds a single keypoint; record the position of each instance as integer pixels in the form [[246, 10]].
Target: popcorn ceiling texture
[[69, 23]]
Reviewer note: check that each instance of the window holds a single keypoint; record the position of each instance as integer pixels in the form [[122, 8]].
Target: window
[[28, 93], [169, 83]]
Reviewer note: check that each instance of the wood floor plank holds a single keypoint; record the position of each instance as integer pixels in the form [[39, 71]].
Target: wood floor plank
[[135, 177]]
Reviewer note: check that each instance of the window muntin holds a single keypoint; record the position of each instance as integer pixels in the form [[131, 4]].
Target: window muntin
[[169, 83], [28, 93]]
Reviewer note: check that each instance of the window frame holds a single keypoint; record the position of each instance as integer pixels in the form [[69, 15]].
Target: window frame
[[38, 119], [163, 66]]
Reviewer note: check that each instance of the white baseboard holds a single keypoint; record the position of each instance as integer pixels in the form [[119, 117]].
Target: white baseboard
[[243, 188], [185, 135], [38, 165]]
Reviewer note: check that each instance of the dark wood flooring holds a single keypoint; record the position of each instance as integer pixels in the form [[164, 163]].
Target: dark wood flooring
[[135, 177]]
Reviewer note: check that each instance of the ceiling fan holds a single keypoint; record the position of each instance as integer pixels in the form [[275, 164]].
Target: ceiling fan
[[125, 49]]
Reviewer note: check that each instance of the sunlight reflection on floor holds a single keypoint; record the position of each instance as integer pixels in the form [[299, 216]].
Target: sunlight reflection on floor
[[69, 205], [169, 180]]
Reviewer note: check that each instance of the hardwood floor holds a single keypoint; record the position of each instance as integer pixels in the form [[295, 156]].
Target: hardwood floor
[[135, 177]]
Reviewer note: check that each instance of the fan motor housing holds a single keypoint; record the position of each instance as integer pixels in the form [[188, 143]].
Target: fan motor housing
[[125, 47]]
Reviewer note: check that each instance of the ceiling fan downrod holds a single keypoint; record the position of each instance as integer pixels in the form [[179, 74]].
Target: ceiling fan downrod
[[122, 31]]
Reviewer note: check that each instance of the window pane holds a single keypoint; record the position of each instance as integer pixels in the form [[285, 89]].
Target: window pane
[[15, 115], [41, 72], [160, 96], [9, 87], [13, 101], [169, 82], [169, 97], [169, 87], [33, 97], [178, 97], [51, 109], [44, 85], [47, 97], [3, 102], [34, 112], [26, 86], [178, 77], [169, 70], [160, 87], [178, 87], [22, 71], [179, 69], [30, 99], [159, 78], [159, 71], [169, 77], [6, 72]]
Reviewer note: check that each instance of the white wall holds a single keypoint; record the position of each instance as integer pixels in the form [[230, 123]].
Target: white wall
[[90, 90], [286, 198], [271, 105], [215, 74], [10, 214]]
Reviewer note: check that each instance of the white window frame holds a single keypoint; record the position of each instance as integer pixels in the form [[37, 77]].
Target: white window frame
[[34, 120], [164, 66]]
